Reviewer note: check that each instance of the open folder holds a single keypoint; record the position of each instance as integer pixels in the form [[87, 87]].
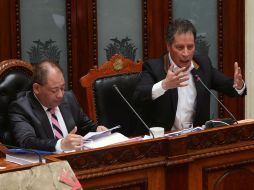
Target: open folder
[[104, 138], [96, 135]]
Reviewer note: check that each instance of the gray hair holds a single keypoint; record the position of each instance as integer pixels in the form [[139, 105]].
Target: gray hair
[[41, 70]]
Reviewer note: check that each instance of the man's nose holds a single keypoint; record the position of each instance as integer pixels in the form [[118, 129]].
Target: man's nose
[[60, 93], [186, 51]]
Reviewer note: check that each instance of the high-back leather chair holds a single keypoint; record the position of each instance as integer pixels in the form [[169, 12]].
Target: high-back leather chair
[[15, 76], [105, 106]]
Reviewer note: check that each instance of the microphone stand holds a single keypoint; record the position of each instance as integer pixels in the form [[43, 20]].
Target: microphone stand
[[199, 79], [118, 91]]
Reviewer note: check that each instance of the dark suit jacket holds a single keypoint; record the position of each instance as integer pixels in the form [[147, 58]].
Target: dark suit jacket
[[162, 111], [31, 126]]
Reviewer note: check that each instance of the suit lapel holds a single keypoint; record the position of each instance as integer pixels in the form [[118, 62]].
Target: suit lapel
[[173, 93], [42, 116], [67, 116], [197, 71]]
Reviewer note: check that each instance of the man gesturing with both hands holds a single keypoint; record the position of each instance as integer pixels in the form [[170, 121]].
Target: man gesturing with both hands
[[167, 90]]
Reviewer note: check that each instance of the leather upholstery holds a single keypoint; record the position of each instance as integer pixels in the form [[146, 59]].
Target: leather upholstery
[[15, 76], [111, 110], [103, 104]]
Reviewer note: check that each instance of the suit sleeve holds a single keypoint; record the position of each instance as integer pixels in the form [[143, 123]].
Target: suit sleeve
[[223, 83], [26, 136], [143, 91]]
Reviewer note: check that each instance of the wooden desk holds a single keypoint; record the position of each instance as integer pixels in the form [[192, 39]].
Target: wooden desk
[[220, 158]]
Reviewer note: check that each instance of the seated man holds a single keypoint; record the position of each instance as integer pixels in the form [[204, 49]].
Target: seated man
[[168, 87], [48, 118]]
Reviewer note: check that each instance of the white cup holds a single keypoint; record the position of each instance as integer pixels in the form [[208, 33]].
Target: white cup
[[187, 125], [157, 132]]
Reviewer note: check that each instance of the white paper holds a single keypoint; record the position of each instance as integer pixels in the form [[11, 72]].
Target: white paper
[[105, 141], [95, 135], [23, 158]]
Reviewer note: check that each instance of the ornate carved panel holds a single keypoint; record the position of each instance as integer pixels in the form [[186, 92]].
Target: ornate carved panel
[[10, 46], [237, 175], [115, 156], [221, 137], [141, 184]]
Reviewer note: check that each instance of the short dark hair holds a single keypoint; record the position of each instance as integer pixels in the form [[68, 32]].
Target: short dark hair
[[41, 70], [179, 26]]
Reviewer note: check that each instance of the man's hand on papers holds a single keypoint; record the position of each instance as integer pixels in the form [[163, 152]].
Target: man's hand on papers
[[72, 141], [101, 128]]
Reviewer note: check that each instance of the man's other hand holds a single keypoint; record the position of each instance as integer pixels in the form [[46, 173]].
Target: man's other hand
[[238, 80]]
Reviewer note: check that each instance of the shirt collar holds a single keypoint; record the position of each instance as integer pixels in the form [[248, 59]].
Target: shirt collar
[[44, 107]]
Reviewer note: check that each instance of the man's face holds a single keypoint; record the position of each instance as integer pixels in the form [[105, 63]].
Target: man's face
[[182, 49], [51, 94]]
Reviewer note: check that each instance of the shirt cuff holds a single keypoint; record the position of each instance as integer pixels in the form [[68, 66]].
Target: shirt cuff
[[157, 90], [58, 146], [240, 92]]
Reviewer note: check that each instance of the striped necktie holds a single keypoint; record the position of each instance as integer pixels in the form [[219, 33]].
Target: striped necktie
[[55, 124]]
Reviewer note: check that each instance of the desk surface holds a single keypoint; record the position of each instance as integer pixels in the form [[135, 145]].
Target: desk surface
[[219, 158], [212, 159]]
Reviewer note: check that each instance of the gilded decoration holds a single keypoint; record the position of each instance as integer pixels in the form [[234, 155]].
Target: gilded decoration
[[118, 64]]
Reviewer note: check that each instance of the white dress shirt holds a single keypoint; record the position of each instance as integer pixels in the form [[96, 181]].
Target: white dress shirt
[[186, 98], [61, 123]]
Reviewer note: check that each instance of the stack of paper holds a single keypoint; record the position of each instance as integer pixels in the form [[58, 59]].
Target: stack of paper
[[101, 139], [22, 158]]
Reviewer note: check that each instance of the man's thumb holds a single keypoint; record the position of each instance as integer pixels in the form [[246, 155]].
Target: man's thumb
[[74, 130]]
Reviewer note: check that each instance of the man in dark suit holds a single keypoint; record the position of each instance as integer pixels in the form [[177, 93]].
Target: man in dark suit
[[168, 88], [48, 118]]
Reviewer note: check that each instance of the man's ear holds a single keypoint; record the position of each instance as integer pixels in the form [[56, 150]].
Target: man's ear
[[36, 88], [168, 46]]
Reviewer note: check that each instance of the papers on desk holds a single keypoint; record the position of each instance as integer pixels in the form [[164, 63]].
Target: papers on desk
[[185, 131], [181, 132], [104, 138], [96, 135], [25, 156], [22, 158]]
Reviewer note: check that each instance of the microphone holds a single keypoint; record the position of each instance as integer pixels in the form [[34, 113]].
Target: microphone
[[200, 80], [125, 100]]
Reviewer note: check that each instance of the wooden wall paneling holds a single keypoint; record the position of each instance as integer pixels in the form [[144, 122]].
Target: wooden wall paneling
[[10, 30], [156, 17], [82, 36], [231, 24], [82, 42]]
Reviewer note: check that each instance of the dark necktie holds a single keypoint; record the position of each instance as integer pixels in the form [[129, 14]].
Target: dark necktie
[[55, 124]]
